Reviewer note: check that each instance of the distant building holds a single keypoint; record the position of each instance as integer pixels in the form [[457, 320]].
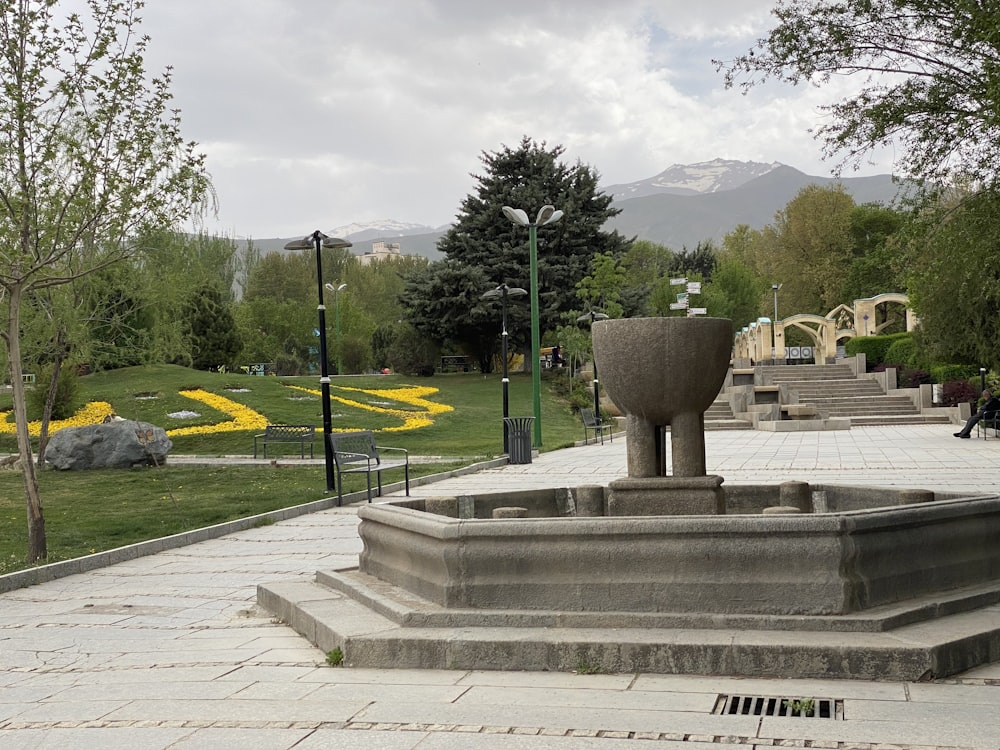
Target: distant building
[[380, 251]]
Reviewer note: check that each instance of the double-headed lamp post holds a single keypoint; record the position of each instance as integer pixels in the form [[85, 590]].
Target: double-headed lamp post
[[503, 292], [546, 215], [592, 316], [336, 317], [318, 240]]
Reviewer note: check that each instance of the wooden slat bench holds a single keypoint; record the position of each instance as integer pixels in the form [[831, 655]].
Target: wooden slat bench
[[593, 423], [286, 433], [356, 453]]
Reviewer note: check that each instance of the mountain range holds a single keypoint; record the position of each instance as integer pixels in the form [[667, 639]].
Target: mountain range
[[679, 207]]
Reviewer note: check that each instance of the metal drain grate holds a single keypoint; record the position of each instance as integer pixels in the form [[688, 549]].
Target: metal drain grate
[[764, 705]]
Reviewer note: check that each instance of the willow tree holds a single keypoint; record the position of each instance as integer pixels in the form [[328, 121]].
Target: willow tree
[[91, 157]]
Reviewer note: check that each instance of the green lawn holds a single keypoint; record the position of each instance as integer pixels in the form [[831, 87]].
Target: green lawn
[[99, 510]]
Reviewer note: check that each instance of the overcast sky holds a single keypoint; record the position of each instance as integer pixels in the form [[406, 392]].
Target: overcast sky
[[318, 113]]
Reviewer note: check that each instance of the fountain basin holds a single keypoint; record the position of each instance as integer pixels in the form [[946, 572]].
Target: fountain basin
[[833, 563]]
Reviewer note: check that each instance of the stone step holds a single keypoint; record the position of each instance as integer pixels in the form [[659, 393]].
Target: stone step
[[891, 419], [727, 424]]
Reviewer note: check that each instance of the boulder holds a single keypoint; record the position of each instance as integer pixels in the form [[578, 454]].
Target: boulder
[[112, 445]]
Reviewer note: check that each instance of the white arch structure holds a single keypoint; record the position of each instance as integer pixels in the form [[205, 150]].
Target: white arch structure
[[754, 342]]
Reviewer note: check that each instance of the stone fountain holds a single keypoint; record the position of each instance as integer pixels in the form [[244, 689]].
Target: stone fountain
[[661, 572]]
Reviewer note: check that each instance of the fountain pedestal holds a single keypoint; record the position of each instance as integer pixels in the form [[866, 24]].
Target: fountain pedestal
[[664, 372]]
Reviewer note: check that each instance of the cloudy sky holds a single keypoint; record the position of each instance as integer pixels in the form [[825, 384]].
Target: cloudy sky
[[319, 113]]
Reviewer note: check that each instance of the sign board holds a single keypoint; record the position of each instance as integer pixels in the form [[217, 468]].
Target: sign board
[[794, 352], [682, 297], [678, 282], [678, 306], [699, 311], [694, 287]]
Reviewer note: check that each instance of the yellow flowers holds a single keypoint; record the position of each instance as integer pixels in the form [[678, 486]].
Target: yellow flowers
[[92, 413], [413, 396], [245, 418]]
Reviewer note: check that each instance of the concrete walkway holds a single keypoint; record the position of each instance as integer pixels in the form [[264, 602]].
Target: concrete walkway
[[170, 650]]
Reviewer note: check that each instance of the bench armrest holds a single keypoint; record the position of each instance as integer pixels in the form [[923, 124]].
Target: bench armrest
[[406, 453]]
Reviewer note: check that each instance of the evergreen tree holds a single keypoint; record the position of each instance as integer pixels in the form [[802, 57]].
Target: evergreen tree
[[211, 328], [485, 243]]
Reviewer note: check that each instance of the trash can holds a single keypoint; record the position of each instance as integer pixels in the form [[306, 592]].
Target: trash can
[[519, 439]]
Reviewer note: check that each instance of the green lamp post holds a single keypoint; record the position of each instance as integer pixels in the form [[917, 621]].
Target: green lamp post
[[546, 215]]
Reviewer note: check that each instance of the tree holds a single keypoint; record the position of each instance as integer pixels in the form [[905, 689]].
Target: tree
[[929, 73], [645, 263], [955, 279], [527, 177], [90, 157], [211, 329], [601, 289], [735, 292]]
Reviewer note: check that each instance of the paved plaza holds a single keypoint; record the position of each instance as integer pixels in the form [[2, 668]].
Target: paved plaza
[[170, 650]]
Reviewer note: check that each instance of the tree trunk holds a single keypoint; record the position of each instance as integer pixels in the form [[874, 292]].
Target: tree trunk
[[50, 398], [37, 546]]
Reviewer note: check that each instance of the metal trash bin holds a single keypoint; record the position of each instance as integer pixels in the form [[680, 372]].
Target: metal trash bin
[[519, 439]]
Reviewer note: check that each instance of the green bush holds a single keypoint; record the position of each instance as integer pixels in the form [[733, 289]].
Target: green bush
[[65, 403], [946, 373], [874, 348], [903, 351]]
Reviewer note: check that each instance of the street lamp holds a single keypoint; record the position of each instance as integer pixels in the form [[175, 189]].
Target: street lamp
[[774, 325], [503, 292], [336, 316], [592, 316], [546, 215], [318, 240]]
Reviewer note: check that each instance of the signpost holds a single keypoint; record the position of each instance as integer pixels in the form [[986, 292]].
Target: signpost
[[684, 298]]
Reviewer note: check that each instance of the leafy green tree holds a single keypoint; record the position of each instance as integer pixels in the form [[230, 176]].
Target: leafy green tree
[[698, 262], [601, 289], [929, 73], [735, 292], [496, 250], [879, 263], [955, 280], [645, 263], [90, 156]]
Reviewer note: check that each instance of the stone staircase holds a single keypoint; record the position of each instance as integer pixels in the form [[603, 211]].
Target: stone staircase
[[835, 392], [720, 417]]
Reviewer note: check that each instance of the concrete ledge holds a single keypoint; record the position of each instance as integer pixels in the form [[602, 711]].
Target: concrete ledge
[[804, 425], [330, 619]]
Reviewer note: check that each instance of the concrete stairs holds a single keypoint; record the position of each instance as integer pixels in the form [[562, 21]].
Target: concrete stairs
[[835, 392], [720, 417]]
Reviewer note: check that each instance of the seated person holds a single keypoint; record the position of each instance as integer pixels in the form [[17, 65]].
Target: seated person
[[989, 409]]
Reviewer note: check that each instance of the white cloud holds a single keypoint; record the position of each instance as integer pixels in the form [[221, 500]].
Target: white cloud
[[315, 114]]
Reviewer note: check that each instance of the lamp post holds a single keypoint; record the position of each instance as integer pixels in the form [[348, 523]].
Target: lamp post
[[774, 325], [503, 292], [336, 316], [318, 240], [546, 215], [592, 316]]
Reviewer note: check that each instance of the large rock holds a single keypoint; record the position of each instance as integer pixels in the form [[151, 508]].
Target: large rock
[[112, 445]]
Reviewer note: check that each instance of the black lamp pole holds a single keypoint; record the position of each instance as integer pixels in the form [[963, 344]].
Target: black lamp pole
[[503, 292], [318, 241], [592, 316]]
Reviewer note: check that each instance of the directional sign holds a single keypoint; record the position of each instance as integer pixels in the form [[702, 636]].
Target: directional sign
[[678, 306], [678, 282], [694, 287], [699, 311], [682, 296]]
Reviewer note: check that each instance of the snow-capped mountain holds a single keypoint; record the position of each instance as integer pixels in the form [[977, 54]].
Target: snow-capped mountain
[[691, 179], [379, 229]]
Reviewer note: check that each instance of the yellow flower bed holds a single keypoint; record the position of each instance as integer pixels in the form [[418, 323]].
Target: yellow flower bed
[[243, 417], [413, 395], [92, 413]]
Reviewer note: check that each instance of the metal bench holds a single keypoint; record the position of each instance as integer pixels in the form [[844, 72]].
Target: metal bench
[[593, 423], [286, 433], [356, 453]]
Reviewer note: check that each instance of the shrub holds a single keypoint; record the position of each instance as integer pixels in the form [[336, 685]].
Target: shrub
[[902, 350], [946, 373], [955, 392], [913, 378], [65, 402], [874, 348]]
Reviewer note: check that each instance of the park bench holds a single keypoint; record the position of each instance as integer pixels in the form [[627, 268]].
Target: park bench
[[593, 423], [356, 453], [286, 433]]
